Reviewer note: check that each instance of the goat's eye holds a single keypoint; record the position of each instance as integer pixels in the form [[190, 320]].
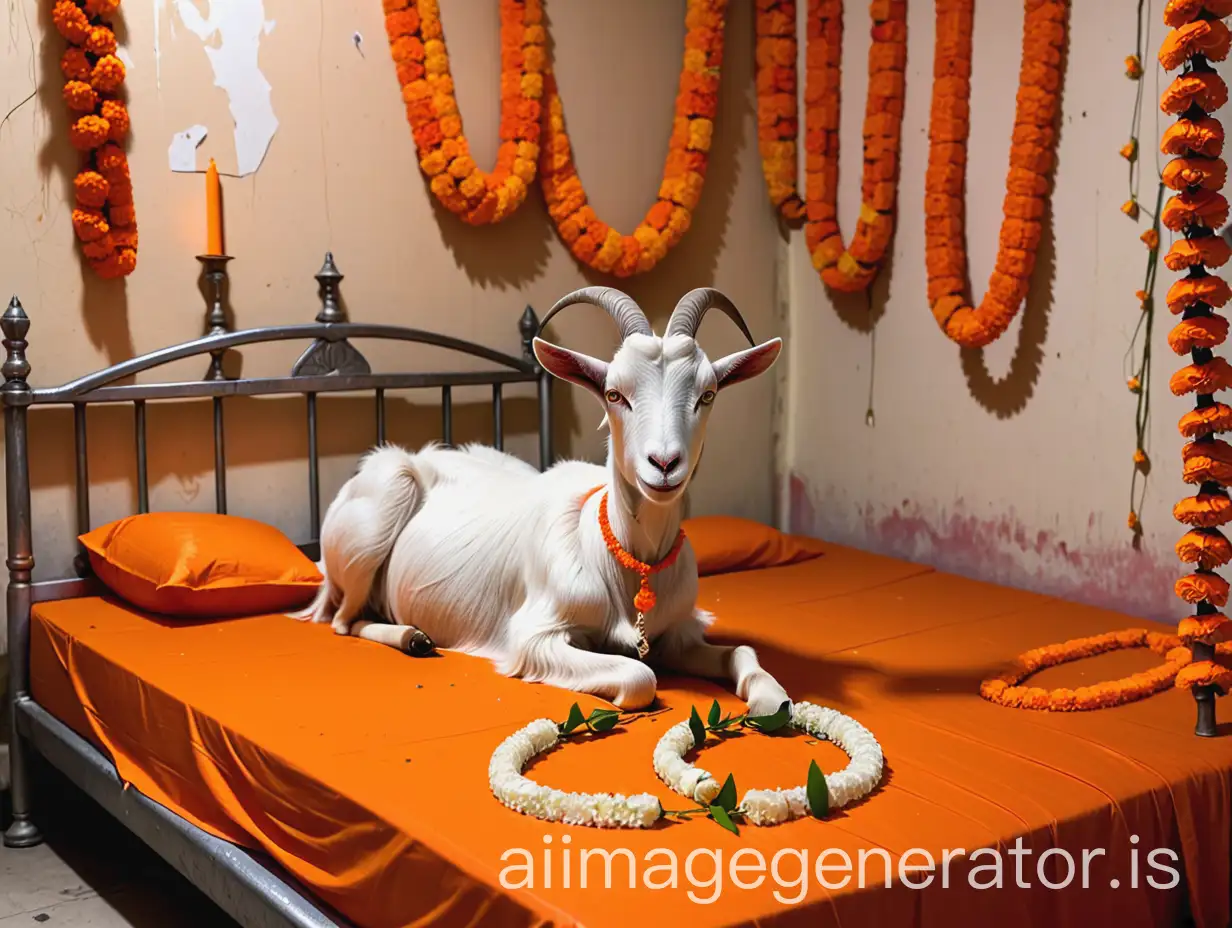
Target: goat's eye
[[614, 397], [706, 398]]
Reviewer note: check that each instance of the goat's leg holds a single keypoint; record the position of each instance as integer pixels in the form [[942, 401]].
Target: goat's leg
[[549, 658], [405, 638], [683, 648]]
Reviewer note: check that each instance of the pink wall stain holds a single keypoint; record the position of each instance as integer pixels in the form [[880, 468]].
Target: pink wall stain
[[1000, 549]]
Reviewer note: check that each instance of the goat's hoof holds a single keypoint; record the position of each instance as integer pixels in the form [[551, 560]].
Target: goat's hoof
[[418, 644]]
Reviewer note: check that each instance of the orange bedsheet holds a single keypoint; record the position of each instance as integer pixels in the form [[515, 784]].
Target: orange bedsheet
[[364, 772]]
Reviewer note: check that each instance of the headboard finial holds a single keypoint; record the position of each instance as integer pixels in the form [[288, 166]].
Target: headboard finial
[[528, 325], [329, 278], [15, 324]]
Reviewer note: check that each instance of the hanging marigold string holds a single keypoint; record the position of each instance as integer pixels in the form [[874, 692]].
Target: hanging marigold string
[[1139, 378], [594, 242], [1027, 186], [778, 123], [1196, 211], [103, 218], [417, 44], [841, 267]]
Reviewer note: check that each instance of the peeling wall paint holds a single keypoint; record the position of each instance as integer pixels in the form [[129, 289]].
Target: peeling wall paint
[[1001, 549], [231, 32]]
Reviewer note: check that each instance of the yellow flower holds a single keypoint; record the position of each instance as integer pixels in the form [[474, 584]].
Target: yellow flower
[[699, 134]]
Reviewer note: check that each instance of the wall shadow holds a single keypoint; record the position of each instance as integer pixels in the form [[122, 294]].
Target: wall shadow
[[1009, 396]]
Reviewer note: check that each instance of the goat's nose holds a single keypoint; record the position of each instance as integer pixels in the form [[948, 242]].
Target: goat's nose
[[663, 463]]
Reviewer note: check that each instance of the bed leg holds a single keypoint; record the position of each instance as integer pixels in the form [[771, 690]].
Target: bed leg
[[22, 832], [1204, 696], [17, 397]]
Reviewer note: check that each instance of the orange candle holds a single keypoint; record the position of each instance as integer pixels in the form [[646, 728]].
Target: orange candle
[[213, 211]]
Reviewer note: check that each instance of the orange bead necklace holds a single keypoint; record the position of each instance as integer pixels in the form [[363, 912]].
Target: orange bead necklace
[[644, 601]]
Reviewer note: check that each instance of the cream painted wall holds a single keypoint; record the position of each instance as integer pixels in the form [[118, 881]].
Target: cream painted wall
[[341, 174], [1013, 464]]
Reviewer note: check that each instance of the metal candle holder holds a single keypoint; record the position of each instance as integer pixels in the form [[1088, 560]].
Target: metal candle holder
[[214, 272]]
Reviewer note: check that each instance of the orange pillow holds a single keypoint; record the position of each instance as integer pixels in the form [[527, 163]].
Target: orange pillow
[[201, 564], [726, 543]]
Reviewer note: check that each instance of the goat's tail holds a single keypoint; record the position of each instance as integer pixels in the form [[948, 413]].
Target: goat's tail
[[360, 529]]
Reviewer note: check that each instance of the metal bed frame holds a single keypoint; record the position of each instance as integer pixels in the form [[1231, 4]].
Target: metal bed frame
[[249, 886]]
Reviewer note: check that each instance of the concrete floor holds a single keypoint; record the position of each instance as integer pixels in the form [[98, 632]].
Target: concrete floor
[[92, 872]]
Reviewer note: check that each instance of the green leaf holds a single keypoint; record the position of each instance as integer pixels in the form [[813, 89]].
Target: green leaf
[[727, 795], [772, 722], [573, 721], [818, 792], [603, 719], [719, 814], [726, 722], [698, 729], [715, 714]]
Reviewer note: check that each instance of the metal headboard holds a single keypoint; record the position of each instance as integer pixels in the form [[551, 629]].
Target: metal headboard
[[330, 364]]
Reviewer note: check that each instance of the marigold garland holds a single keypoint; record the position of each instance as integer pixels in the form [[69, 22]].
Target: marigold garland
[[1196, 210], [594, 242], [1005, 689], [1031, 163], [104, 219], [841, 268], [417, 44], [778, 124]]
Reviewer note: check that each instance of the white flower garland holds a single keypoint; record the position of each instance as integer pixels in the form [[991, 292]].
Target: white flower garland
[[771, 806], [599, 810]]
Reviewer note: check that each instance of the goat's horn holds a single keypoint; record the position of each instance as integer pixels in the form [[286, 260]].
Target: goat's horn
[[620, 306], [693, 306]]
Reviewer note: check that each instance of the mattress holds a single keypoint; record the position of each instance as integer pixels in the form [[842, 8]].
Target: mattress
[[364, 771]]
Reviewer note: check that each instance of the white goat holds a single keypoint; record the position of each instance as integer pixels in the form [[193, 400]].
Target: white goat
[[491, 557]]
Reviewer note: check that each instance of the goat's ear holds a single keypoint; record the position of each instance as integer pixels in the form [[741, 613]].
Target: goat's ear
[[747, 364], [572, 366]]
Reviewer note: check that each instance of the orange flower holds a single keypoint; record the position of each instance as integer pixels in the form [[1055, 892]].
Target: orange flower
[[108, 74], [1203, 37], [1139, 457], [1130, 208], [80, 97], [1189, 291], [1132, 521], [1180, 173], [75, 65], [1203, 89], [1208, 377], [1206, 547], [1206, 420], [1134, 384], [89, 224], [1210, 250], [89, 132], [73, 24], [1133, 67], [101, 41], [1180, 12], [1150, 238], [1129, 151], [1203, 136], [1205, 510], [104, 8], [117, 115], [1198, 332], [1205, 627], [1203, 208], [91, 188], [1202, 586]]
